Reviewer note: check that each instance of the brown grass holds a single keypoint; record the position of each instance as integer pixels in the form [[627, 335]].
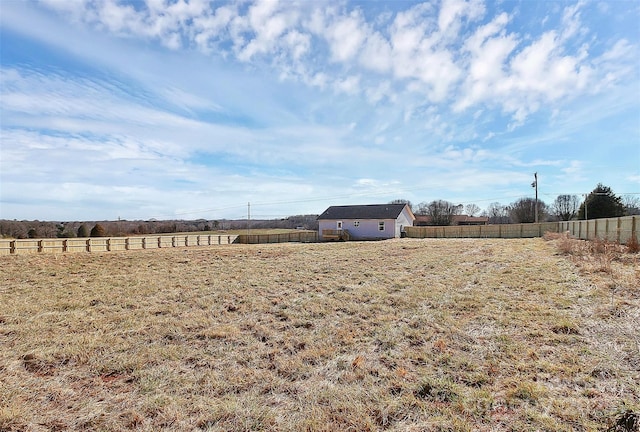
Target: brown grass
[[402, 335]]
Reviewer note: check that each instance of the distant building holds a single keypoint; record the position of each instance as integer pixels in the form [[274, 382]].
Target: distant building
[[364, 222], [422, 220]]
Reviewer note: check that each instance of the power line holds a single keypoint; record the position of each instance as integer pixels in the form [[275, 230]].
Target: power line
[[345, 196]]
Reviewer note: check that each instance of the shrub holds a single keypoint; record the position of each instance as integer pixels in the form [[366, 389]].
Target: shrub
[[83, 231], [632, 245], [551, 235], [565, 244], [67, 234], [98, 231]]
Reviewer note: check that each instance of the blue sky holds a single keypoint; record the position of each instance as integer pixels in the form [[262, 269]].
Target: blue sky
[[191, 109]]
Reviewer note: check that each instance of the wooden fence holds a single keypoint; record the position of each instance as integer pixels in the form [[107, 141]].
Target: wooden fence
[[299, 236], [108, 244], [612, 229], [483, 231]]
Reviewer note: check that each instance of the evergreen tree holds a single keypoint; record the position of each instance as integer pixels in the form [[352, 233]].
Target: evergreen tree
[[601, 203]]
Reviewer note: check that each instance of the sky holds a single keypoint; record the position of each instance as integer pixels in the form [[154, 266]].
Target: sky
[[204, 109]]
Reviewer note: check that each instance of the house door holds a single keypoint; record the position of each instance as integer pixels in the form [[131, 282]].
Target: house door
[[339, 225]]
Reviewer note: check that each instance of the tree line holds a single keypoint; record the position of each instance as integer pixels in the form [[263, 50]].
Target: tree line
[[602, 202], [122, 228]]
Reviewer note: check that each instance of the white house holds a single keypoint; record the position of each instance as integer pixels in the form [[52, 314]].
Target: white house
[[364, 222]]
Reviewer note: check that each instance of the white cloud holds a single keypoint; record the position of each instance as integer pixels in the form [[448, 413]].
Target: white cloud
[[438, 80], [188, 101], [349, 85], [345, 35], [571, 23], [380, 92], [209, 28], [376, 54], [297, 43], [268, 23], [421, 48], [486, 69], [453, 11]]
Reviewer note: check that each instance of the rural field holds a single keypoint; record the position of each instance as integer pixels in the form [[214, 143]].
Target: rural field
[[398, 335]]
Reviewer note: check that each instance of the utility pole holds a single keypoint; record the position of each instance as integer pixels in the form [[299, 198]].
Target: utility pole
[[535, 185], [248, 219]]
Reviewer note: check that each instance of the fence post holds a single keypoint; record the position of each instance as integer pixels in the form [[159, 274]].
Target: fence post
[[88, 245], [64, 245], [633, 227], [12, 247], [144, 242], [109, 245], [126, 243]]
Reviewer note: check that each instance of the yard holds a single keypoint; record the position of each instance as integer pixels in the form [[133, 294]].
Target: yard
[[399, 335]]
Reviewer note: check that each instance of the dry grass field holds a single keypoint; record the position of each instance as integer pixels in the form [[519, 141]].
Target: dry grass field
[[400, 335]]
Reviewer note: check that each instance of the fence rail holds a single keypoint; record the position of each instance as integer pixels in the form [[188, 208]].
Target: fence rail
[[483, 231], [619, 230], [108, 244], [612, 229], [300, 236]]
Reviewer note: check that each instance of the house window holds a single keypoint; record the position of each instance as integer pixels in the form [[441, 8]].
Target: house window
[[356, 223], [381, 226], [339, 225]]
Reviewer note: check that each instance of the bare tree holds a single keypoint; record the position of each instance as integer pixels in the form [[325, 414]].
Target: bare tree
[[631, 205], [497, 213], [565, 207], [472, 209], [421, 209], [442, 212], [524, 210]]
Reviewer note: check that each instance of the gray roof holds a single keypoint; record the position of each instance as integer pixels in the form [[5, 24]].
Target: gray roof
[[371, 211]]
